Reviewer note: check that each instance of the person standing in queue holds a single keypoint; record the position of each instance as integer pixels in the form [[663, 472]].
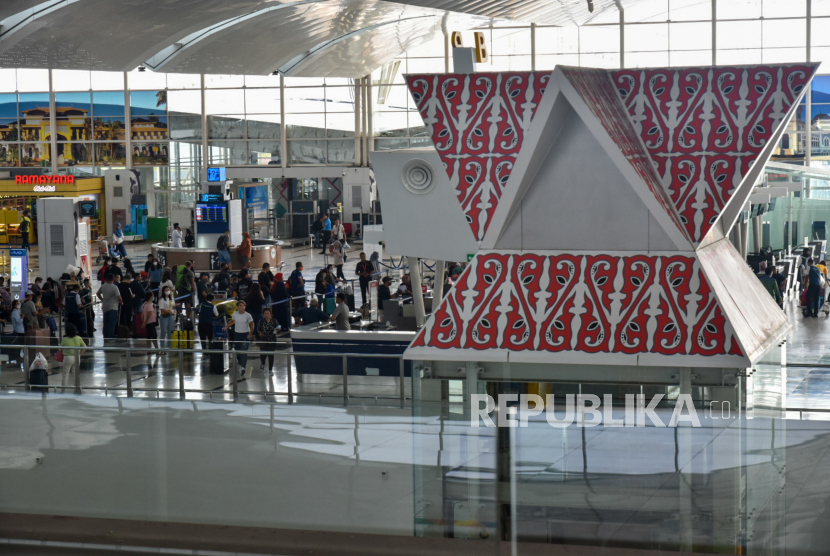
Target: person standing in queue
[[111, 300], [813, 289], [340, 316], [296, 285], [364, 270], [118, 237], [243, 333]]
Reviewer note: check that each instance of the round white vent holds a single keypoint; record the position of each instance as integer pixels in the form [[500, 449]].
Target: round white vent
[[418, 176]]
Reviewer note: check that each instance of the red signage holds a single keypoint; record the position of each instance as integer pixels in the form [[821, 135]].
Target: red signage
[[44, 179]]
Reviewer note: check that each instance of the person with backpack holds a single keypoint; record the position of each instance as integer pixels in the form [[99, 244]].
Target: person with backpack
[[222, 281], [223, 247], [187, 284], [207, 312]]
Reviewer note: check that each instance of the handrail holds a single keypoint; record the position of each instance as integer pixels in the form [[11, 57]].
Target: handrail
[[234, 374]]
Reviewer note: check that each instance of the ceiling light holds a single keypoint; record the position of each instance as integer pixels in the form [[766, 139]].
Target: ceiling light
[[142, 69], [591, 6]]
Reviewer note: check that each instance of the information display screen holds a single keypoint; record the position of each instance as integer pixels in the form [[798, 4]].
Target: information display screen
[[216, 174], [211, 212]]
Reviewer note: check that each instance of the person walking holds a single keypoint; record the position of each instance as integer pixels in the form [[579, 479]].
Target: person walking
[[255, 302], [364, 270], [223, 247], [25, 229], [149, 319], [771, 285], [167, 308], [118, 236], [339, 259], [267, 335], [111, 300], [243, 333], [71, 343]]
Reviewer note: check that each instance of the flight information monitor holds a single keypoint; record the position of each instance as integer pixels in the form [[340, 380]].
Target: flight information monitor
[[212, 217]]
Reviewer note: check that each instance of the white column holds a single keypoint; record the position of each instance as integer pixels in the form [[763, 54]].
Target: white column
[[53, 127], [205, 133], [283, 139], [370, 129], [417, 293], [438, 288], [128, 134]]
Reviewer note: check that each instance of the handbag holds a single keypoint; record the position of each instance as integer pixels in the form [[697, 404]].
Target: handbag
[[59, 356]]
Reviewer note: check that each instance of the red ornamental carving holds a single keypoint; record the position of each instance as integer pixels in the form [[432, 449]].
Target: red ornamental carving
[[704, 128], [477, 123], [582, 303]]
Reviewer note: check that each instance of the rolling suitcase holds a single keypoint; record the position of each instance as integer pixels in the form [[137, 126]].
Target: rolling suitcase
[[38, 377], [138, 326], [216, 361]]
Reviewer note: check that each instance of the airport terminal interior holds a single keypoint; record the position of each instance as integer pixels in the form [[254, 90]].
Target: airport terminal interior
[[370, 277]]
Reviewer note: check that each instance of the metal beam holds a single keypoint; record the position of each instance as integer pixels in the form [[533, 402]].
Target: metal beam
[[17, 27], [195, 40], [298, 62]]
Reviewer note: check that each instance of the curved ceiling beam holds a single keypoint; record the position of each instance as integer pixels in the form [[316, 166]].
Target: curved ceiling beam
[[299, 61], [193, 41], [17, 27]]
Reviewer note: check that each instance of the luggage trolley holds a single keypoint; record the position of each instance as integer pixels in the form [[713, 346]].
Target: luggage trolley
[[103, 249]]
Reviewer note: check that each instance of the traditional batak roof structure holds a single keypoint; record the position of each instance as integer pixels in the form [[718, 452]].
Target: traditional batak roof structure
[[602, 200]]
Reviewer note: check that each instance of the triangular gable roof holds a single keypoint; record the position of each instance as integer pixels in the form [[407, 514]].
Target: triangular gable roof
[[582, 308], [591, 94], [477, 123], [705, 128]]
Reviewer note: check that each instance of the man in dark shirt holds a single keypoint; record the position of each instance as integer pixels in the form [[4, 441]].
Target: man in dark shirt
[[222, 281], [137, 288], [148, 266], [114, 269], [364, 270], [244, 286], [265, 279], [203, 288], [297, 283], [126, 291], [310, 314], [384, 293]]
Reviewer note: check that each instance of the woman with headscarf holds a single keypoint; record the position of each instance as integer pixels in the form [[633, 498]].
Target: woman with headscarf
[[245, 250], [279, 296]]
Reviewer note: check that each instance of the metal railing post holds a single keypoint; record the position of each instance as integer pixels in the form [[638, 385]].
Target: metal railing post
[[234, 375], [129, 371], [403, 389], [288, 374], [345, 381], [181, 372], [77, 370], [26, 364]]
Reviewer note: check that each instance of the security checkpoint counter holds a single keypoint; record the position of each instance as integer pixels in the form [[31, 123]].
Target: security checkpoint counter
[[263, 251]]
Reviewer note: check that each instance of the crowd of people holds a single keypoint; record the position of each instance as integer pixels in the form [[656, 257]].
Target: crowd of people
[[812, 279]]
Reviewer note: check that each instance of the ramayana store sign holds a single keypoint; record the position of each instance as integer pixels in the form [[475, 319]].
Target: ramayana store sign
[[44, 183]]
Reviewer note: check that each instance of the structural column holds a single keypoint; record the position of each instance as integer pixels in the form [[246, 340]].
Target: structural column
[[417, 293], [438, 287]]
